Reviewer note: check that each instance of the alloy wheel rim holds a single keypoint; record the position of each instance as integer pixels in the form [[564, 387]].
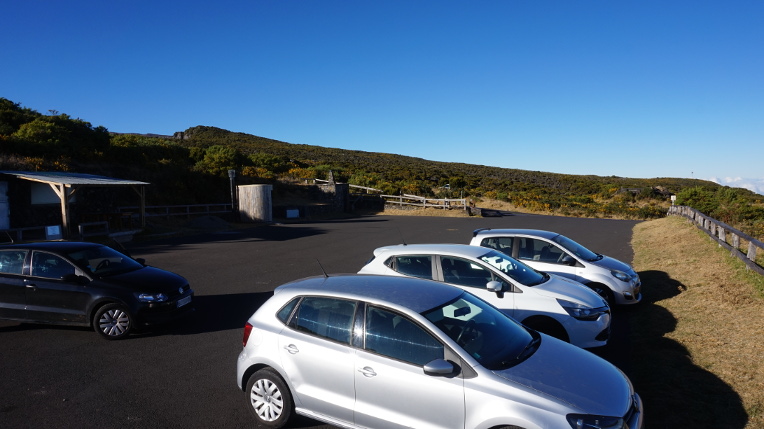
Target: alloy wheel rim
[[114, 322], [266, 400]]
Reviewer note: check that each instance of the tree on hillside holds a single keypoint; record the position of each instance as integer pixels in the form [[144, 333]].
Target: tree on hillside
[[12, 116], [217, 160]]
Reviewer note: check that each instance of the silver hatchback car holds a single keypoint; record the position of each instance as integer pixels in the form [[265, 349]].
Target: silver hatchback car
[[364, 351]]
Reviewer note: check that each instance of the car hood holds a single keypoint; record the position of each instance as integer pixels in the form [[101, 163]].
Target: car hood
[[581, 379], [147, 279], [571, 290], [612, 264]]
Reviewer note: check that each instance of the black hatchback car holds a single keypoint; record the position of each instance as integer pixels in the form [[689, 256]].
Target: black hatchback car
[[87, 284]]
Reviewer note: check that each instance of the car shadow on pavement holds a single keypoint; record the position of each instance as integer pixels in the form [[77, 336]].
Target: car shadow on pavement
[[675, 391], [214, 313]]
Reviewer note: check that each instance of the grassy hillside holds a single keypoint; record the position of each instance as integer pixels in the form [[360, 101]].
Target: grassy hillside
[[192, 167]]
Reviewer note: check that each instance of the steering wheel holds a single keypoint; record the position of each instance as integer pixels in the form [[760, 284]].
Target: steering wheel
[[470, 326], [103, 264]]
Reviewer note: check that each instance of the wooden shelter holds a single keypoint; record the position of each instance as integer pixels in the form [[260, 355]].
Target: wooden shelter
[[66, 184]]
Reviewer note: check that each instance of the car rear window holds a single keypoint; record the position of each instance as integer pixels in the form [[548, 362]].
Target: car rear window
[[329, 318], [12, 261]]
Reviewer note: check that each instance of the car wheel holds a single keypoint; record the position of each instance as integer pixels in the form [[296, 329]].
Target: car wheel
[[269, 398], [113, 322], [548, 326], [603, 291]]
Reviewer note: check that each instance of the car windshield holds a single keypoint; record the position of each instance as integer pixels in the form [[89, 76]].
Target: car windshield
[[576, 249], [515, 269], [494, 339], [103, 261]]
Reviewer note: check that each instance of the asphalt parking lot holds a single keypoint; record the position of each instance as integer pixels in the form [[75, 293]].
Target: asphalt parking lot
[[183, 375]]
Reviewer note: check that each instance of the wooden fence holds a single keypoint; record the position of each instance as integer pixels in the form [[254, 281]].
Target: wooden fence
[[187, 210], [416, 201], [727, 236]]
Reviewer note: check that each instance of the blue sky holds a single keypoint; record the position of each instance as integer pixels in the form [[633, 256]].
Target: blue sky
[[627, 88]]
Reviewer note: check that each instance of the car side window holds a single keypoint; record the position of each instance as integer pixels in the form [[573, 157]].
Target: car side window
[[545, 252], [414, 265], [502, 244], [50, 266], [328, 318], [12, 261], [462, 272], [286, 311], [390, 334]]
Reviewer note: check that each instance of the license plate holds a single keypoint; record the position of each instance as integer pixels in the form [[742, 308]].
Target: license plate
[[184, 301]]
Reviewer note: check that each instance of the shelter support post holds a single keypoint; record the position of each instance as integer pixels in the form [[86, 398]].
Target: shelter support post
[[65, 194]]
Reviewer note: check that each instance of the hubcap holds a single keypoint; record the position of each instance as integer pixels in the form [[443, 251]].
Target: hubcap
[[114, 322], [266, 400]]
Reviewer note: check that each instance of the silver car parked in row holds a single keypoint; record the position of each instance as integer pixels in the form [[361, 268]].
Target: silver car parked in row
[[554, 305], [359, 351], [551, 252]]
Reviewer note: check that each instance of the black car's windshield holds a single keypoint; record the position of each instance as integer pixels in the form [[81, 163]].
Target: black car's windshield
[[576, 249], [515, 269], [494, 339], [103, 261]]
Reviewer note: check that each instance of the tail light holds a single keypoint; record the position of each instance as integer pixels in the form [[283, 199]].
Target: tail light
[[247, 331]]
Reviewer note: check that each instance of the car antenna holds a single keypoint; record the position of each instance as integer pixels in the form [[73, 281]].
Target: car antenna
[[403, 239], [322, 269]]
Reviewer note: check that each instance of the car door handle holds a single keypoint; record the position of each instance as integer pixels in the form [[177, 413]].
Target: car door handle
[[292, 349], [31, 286], [367, 372]]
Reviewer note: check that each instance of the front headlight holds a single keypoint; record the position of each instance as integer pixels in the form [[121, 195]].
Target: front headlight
[[620, 275], [587, 421], [152, 297], [582, 312]]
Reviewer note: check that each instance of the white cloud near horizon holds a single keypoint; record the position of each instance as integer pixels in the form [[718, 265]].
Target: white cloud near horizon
[[755, 185]]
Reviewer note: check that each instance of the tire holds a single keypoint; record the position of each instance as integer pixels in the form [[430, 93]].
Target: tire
[[604, 292], [113, 322], [268, 399]]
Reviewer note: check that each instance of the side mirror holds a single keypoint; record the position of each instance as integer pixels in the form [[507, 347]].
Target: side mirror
[[497, 287], [568, 260], [494, 286], [439, 367], [141, 261]]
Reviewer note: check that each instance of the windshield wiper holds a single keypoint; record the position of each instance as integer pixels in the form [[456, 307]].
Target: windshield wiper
[[529, 349], [544, 278]]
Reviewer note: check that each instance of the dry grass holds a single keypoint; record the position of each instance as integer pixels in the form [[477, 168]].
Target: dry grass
[[429, 211], [503, 205], [698, 337]]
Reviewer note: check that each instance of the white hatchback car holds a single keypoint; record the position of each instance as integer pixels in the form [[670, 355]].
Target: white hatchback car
[[554, 305], [551, 252], [393, 352]]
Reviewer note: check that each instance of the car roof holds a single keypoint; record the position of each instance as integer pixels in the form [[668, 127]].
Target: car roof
[[416, 294], [57, 246], [441, 249], [514, 231]]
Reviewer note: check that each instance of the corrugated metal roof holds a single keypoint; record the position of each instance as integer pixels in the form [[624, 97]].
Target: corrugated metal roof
[[66, 178]]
